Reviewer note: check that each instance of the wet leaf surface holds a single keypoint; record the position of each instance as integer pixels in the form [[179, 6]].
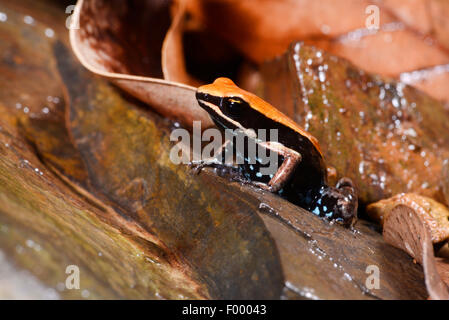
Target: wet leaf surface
[[384, 135]]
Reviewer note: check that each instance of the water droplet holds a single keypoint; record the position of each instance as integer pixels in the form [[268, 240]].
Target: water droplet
[[395, 102], [28, 20], [60, 286], [49, 33], [19, 249], [29, 243], [85, 293], [348, 83], [325, 29], [3, 17], [24, 163], [322, 76], [382, 93]]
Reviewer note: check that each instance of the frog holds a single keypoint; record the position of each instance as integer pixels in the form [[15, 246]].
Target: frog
[[301, 176]]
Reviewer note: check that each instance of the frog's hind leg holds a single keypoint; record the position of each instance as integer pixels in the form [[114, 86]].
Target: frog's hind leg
[[338, 203]]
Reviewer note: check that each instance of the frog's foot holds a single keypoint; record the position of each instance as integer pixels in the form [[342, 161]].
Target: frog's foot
[[348, 200], [339, 203], [198, 165], [261, 185], [219, 161]]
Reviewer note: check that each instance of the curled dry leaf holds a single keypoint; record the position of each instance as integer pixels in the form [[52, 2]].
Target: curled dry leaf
[[431, 212], [405, 229], [122, 41], [173, 63]]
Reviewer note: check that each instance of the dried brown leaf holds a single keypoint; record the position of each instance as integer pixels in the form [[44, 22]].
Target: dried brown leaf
[[110, 45], [432, 213], [173, 63], [385, 52], [263, 29]]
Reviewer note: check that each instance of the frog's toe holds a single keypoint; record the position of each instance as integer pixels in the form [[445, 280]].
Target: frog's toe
[[348, 209], [345, 183], [348, 200], [197, 166]]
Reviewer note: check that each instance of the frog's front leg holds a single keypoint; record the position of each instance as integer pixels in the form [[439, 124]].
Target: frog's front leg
[[283, 174], [219, 160]]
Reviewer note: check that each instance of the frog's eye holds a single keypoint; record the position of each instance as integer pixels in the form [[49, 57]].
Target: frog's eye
[[233, 106]]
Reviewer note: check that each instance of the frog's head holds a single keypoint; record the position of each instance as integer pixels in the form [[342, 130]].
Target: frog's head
[[234, 108], [225, 102]]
